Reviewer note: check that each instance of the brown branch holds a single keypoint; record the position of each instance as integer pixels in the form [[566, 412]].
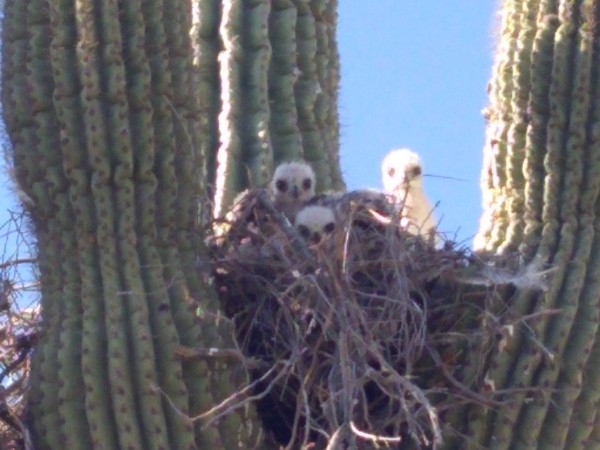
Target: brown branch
[[16, 262], [13, 365], [190, 354]]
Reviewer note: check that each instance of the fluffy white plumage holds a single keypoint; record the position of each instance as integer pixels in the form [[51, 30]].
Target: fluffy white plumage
[[292, 186], [402, 173], [315, 223]]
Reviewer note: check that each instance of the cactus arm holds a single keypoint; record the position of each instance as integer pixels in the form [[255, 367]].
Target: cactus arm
[[257, 150], [228, 173], [279, 79], [556, 224], [579, 192], [206, 17], [308, 91], [328, 73], [149, 293], [316, 89], [516, 133], [332, 85], [556, 124], [181, 265], [533, 164], [504, 367], [20, 121], [494, 177], [178, 184], [172, 216], [541, 67], [283, 73], [526, 364], [245, 156], [583, 423], [125, 361], [73, 339], [585, 346], [494, 220]]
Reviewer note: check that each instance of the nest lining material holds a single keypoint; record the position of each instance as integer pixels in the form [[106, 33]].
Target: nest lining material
[[363, 333]]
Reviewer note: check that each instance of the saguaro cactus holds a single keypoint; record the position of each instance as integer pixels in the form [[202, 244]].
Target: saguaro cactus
[[96, 124], [123, 118], [541, 182], [278, 72]]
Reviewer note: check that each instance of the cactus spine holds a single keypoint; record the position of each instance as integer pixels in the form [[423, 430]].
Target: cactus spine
[[541, 182], [123, 117]]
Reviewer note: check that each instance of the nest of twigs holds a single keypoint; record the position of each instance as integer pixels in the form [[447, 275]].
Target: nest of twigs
[[360, 337]]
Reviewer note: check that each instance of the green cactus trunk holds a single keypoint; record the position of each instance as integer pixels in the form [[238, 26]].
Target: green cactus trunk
[[541, 184], [124, 119], [278, 68]]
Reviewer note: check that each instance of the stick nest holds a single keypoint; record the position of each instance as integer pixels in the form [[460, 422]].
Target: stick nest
[[360, 339]]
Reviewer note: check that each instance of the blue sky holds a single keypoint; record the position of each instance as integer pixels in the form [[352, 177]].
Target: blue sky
[[414, 74]]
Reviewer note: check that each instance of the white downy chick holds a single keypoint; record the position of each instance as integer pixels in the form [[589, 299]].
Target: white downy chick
[[292, 186], [402, 173], [315, 224]]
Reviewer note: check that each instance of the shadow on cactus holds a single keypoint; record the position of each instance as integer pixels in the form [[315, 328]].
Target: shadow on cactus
[[362, 338]]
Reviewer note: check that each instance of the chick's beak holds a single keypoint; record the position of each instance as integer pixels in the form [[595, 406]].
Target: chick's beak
[[295, 192]]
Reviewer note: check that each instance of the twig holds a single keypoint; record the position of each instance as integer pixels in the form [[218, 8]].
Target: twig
[[235, 401], [16, 262], [295, 239], [373, 437], [191, 354], [13, 365], [464, 390]]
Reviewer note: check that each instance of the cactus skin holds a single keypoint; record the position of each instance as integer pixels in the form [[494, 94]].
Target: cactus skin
[[541, 184], [121, 122], [279, 72], [102, 105]]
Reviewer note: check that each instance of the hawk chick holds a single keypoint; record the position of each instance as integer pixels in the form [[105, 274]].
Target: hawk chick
[[315, 223], [293, 184], [402, 174]]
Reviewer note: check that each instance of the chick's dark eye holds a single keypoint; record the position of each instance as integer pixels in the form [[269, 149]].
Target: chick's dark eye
[[328, 228], [306, 184], [391, 172], [281, 185], [415, 171], [304, 231]]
